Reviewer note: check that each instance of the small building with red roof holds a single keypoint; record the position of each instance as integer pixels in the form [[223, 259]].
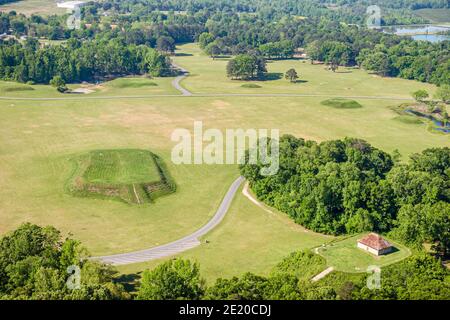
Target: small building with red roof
[[375, 244]]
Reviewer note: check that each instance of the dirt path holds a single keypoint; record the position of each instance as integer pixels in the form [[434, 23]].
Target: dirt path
[[322, 274]]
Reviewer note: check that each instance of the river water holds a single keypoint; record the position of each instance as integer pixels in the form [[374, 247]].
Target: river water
[[422, 32]]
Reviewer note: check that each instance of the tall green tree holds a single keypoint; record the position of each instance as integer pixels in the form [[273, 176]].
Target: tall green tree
[[172, 280]]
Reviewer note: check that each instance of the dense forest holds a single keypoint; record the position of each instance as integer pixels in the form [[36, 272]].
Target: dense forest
[[38, 263], [348, 186], [78, 61]]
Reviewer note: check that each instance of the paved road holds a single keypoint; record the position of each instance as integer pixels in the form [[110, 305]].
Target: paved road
[[176, 81], [180, 245]]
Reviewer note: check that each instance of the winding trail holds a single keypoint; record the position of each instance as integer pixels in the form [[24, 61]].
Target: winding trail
[[176, 82], [178, 246]]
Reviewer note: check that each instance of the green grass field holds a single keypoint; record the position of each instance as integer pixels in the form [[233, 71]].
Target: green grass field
[[120, 166], [249, 239], [434, 15], [39, 138], [29, 7], [209, 76], [131, 175], [342, 103], [345, 256], [121, 87]]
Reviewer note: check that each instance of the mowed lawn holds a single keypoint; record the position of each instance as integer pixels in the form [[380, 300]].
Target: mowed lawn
[[38, 139], [249, 239], [123, 166], [345, 256], [29, 7], [121, 87], [209, 76]]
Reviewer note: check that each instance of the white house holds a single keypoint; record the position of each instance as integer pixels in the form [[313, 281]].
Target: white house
[[375, 244]]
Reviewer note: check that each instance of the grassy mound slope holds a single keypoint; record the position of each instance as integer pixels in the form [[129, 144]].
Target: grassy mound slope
[[250, 85], [131, 175], [341, 103]]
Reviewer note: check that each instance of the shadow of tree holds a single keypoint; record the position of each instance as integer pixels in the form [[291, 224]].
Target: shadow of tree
[[129, 281], [270, 76]]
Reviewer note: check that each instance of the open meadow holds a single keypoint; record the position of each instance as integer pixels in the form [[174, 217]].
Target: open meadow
[[29, 7], [39, 137]]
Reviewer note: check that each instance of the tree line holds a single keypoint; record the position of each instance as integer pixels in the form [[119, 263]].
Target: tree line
[[347, 186], [78, 61], [38, 263], [269, 29]]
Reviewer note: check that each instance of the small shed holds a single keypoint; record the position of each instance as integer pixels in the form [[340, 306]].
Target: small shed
[[375, 244]]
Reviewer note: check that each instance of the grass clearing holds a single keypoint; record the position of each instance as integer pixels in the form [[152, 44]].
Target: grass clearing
[[250, 86], [344, 255], [249, 239], [122, 83], [341, 103], [434, 15], [29, 7], [209, 76], [408, 119], [17, 88], [131, 175], [120, 166]]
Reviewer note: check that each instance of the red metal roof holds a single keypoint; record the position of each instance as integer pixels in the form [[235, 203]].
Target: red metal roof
[[375, 241]]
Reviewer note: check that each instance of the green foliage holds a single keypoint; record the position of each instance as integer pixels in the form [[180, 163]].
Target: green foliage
[[165, 44], [301, 264], [172, 280], [347, 186], [251, 86], [443, 93], [246, 67], [277, 50], [83, 62], [213, 50], [291, 75], [419, 277], [34, 262], [377, 62], [205, 39], [420, 95], [321, 186]]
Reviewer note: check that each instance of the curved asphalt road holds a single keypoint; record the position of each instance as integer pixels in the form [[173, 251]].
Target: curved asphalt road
[[180, 245], [176, 81]]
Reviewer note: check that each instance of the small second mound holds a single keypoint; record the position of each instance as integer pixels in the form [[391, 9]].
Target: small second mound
[[131, 175], [341, 103]]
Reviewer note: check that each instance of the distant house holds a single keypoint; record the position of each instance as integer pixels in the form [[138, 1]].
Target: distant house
[[70, 4], [375, 244]]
